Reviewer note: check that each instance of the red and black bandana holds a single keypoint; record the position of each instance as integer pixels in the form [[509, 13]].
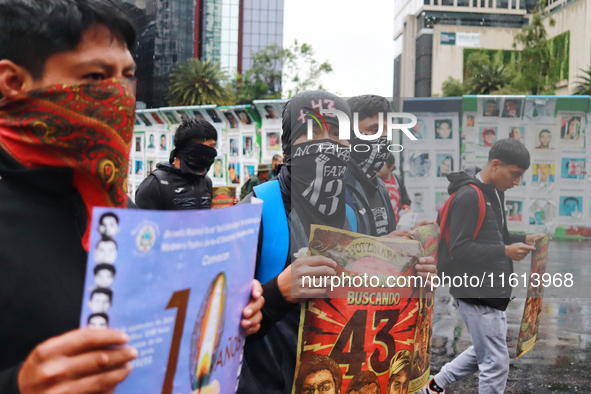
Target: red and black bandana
[[87, 128]]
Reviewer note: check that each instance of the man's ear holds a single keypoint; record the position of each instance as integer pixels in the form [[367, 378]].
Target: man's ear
[[14, 79]]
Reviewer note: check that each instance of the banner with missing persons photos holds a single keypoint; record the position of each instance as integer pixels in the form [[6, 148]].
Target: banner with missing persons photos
[[176, 283], [374, 326]]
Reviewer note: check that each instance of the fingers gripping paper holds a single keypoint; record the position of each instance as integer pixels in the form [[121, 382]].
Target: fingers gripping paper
[[373, 330]]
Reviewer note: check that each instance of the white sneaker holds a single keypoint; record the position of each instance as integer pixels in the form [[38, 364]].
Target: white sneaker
[[427, 390]]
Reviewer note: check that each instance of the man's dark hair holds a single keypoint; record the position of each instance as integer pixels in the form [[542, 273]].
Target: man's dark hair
[[571, 199], [362, 379], [103, 315], [108, 215], [104, 266], [440, 122], [107, 240], [544, 131], [510, 152], [276, 157], [317, 363], [269, 106], [390, 160], [102, 290], [194, 130], [491, 101], [369, 105], [34, 30], [489, 130]]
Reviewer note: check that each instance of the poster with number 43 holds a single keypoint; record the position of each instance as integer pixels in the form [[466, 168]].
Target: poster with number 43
[[176, 283]]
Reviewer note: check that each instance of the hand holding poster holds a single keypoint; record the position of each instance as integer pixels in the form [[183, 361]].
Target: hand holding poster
[[364, 333], [530, 322], [176, 283]]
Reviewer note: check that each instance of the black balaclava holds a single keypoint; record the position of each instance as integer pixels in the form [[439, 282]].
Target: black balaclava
[[313, 172], [195, 158]]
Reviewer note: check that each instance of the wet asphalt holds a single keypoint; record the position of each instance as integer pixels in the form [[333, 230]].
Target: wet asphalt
[[560, 362]]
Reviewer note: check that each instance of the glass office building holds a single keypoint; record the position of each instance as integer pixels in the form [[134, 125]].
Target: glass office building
[[224, 31]]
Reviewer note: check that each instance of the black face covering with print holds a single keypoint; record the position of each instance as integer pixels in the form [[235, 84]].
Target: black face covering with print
[[370, 156], [318, 171], [196, 159]]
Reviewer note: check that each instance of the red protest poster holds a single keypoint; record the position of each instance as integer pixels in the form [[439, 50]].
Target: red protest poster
[[530, 322], [364, 335], [223, 197]]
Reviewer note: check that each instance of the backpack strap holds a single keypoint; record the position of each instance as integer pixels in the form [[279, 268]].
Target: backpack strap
[[165, 189], [443, 216], [275, 248]]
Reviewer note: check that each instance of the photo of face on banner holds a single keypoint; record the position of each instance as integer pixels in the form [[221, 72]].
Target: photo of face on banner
[[572, 168], [445, 164], [419, 165], [231, 119], [487, 136], [213, 115], [270, 112], [544, 138], [243, 116], [139, 142], [418, 202], [163, 143], [512, 108], [543, 173], [443, 129], [234, 173], [518, 134], [491, 107], [440, 199], [273, 141], [234, 147], [571, 206], [151, 141], [248, 171], [419, 130], [247, 146], [515, 210], [571, 132], [218, 169]]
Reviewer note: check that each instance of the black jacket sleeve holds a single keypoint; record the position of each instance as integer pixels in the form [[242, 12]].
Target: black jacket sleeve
[[464, 218], [9, 380], [517, 238], [404, 198], [148, 195]]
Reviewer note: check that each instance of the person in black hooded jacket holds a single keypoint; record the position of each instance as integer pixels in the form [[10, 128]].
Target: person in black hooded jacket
[[182, 183], [488, 256]]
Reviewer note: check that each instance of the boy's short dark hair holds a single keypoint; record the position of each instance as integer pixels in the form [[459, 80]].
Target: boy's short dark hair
[[105, 266], [194, 130], [317, 363], [440, 122], [544, 131], [103, 315], [390, 160], [510, 152], [103, 290], [570, 199], [369, 105], [34, 30], [108, 215], [107, 240]]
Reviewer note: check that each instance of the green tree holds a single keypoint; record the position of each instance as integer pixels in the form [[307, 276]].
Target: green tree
[[199, 82], [488, 79], [274, 65], [584, 84], [452, 87], [536, 63]]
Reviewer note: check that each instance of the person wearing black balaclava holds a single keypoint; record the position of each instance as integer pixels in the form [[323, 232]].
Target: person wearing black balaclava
[[367, 194], [310, 195], [182, 183]]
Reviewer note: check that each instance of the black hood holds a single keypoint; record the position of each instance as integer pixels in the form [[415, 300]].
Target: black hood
[[164, 166], [466, 177]]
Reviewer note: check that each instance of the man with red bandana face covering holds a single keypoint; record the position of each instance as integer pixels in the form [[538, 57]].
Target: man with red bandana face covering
[[66, 122]]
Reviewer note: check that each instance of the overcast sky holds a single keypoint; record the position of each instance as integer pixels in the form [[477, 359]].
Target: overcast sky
[[356, 37]]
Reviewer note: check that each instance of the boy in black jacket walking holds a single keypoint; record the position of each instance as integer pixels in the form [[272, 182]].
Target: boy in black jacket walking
[[486, 252]]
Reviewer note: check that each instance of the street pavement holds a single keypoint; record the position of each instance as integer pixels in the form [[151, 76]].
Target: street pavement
[[560, 360]]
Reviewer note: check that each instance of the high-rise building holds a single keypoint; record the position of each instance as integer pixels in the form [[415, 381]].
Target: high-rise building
[[433, 38], [224, 31]]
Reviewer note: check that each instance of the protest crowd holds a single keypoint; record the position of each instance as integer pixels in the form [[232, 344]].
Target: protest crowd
[[66, 121]]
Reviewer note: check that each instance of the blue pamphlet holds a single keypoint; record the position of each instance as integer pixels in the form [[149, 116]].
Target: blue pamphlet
[[176, 283]]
